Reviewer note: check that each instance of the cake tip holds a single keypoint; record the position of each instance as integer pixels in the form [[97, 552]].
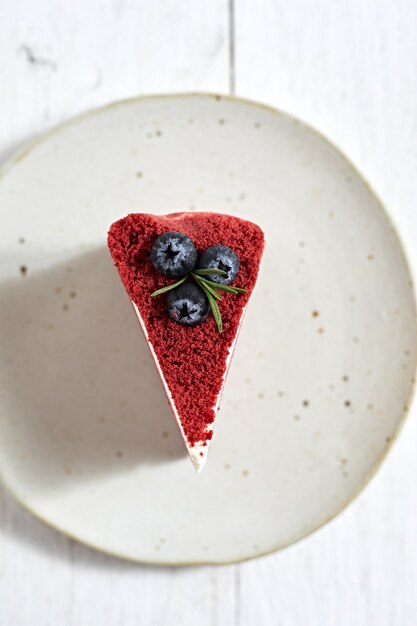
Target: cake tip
[[198, 456]]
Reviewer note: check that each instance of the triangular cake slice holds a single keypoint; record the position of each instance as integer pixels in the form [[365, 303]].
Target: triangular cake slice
[[192, 361]]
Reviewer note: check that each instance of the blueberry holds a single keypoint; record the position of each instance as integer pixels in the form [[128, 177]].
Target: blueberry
[[188, 305], [173, 255], [223, 258]]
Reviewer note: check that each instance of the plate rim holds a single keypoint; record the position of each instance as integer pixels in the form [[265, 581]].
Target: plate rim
[[21, 153]]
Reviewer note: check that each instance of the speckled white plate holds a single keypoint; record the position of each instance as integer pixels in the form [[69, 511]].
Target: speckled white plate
[[323, 368]]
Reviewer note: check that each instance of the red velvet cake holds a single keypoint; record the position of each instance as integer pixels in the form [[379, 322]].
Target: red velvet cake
[[192, 360]]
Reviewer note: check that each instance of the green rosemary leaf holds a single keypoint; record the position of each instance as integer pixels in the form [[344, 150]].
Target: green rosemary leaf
[[210, 270], [205, 286], [240, 290], [222, 287], [216, 311], [168, 287]]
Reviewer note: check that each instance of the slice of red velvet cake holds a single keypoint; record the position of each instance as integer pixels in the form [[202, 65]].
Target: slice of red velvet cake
[[192, 359]]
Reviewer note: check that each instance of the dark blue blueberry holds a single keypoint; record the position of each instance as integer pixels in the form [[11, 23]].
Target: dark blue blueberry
[[174, 255], [223, 258], [188, 305]]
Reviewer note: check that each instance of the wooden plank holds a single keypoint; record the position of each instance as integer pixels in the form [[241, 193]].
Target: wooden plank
[[57, 59], [349, 68]]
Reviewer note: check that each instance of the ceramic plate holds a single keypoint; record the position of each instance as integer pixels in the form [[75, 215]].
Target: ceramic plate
[[323, 368]]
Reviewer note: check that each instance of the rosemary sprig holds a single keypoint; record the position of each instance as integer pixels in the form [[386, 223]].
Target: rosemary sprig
[[214, 308], [168, 287], [210, 288], [210, 270], [221, 286], [203, 283]]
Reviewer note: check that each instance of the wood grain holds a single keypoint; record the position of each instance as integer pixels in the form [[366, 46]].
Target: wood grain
[[350, 69]]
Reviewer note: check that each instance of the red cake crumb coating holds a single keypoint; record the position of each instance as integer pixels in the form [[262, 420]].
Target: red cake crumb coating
[[192, 359]]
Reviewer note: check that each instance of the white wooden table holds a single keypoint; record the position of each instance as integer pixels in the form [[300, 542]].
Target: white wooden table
[[349, 68]]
